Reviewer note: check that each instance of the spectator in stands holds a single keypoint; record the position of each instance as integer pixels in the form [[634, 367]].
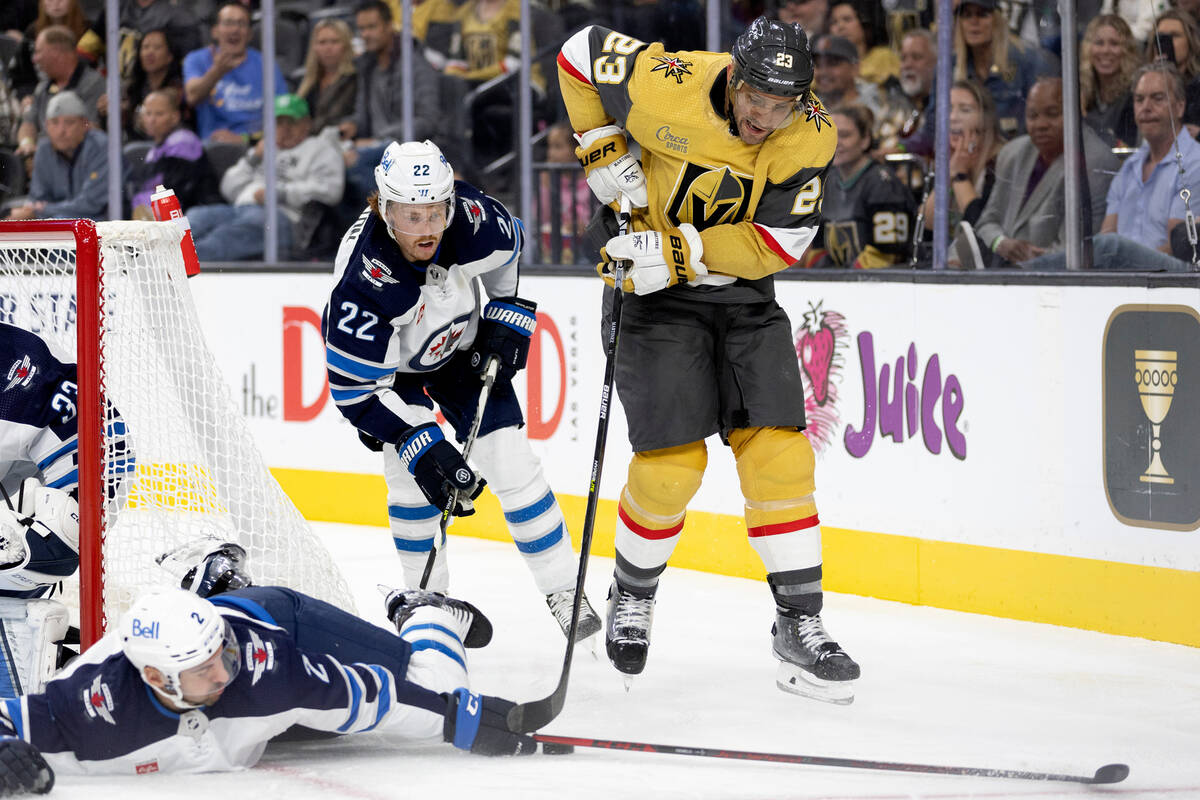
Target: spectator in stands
[[986, 52], [55, 55], [918, 64], [838, 84], [975, 143], [309, 168], [223, 82], [15, 16], [138, 17], [811, 14], [176, 160], [1025, 215], [70, 170], [330, 79], [485, 44], [69, 14], [867, 211], [1108, 57], [377, 114], [157, 67], [567, 207], [876, 60], [1181, 28]]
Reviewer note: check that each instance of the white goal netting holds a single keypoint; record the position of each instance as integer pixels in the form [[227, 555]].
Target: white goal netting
[[195, 472]]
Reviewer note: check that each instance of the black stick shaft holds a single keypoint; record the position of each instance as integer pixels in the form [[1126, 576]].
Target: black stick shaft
[[1109, 773], [489, 377], [535, 714]]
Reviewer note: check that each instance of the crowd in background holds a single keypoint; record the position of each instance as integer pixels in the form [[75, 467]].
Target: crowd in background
[[192, 104]]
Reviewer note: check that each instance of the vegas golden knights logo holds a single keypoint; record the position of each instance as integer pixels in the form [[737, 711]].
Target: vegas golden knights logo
[[841, 241], [707, 197]]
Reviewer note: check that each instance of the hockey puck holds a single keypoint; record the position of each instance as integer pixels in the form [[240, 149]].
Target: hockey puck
[[556, 749]]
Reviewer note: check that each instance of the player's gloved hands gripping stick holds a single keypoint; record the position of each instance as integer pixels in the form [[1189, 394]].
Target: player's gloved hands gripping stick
[[439, 469], [479, 723], [654, 260], [611, 169], [505, 330]]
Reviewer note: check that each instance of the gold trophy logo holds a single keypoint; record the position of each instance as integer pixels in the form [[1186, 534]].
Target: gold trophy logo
[[1156, 374]]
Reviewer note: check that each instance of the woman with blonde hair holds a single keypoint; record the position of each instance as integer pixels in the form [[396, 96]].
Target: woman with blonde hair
[[985, 51], [1108, 58], [329, 74]]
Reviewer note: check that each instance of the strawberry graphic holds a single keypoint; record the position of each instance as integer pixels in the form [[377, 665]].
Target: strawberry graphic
[[815, 349]]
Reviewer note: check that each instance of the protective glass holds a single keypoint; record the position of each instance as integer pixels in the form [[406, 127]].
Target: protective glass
[[417, 220], [763, 110]]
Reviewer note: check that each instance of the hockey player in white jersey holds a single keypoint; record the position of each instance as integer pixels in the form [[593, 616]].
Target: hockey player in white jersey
[[403, 331], [39, 512], [227, 674]]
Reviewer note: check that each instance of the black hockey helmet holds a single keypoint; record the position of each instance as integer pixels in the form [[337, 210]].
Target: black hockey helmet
[[773, 57]]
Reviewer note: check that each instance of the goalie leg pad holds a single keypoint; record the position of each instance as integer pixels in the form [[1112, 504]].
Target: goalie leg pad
[[531, 511], [650, 515], [776, 469], [30, 632]]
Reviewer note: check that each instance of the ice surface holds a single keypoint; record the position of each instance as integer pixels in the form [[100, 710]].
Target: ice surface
[[938, 687]]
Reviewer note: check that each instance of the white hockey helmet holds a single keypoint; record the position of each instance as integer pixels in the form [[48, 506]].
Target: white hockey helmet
[[174, 631], [415, 174]]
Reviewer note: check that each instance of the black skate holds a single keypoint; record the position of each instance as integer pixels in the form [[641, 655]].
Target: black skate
[[222, 570], [627, 638], [401, 603], [563, 603], [810, 663]]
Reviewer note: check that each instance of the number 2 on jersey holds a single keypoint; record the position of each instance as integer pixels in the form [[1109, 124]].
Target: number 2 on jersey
[[350, 313]]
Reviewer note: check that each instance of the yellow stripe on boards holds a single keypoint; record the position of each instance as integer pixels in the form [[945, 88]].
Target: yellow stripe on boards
[[1126, 599]]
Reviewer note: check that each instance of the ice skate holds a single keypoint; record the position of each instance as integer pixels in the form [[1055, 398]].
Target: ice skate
[[627, 638], [811, 664], [563, 603], [401, 603]]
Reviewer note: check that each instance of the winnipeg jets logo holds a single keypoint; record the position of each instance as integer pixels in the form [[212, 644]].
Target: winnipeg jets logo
[[475, 212], [98, 702], [674, 67], [260, 657], [21, 372], [815, 113], [376, 272], [440, 345]]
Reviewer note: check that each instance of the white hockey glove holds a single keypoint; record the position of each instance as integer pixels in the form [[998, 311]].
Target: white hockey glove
[[656, 260], [611, 170], [52, 512]]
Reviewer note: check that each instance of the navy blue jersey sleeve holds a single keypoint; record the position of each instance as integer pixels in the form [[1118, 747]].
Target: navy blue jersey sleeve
[[487, 240]]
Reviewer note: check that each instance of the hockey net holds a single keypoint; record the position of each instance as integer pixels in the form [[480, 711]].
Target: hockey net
[[166, 460]]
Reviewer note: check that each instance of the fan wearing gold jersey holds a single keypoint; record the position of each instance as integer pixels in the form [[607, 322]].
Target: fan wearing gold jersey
[[735, 150]]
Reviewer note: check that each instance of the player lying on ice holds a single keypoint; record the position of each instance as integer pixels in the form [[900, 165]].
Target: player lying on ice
[[188, 684]]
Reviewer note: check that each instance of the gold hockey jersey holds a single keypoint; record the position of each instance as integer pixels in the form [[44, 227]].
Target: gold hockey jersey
[[757, 207]]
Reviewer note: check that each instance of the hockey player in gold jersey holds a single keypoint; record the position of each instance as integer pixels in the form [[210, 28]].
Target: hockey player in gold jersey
[[735, 150]]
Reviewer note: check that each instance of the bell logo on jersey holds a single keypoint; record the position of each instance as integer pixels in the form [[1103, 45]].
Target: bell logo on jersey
[[376, 272], [21, 372], [98, 702], [260, 657], [706, 197]]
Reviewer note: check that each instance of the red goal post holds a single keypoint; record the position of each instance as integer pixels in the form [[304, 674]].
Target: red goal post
[[114, 298]]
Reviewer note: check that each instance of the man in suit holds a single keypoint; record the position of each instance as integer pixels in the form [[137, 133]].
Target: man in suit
[[1025, 213]]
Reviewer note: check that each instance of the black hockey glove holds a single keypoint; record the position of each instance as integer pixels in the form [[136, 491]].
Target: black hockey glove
[[370, 442], [505, 330], [439, 469], [22, 768], [479, 723]]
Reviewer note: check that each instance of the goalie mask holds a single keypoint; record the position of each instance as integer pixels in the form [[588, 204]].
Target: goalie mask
[[180, 635], [416, 189]]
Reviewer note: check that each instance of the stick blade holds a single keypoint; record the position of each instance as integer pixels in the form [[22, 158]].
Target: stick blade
[[1111, 773], [534, 715]]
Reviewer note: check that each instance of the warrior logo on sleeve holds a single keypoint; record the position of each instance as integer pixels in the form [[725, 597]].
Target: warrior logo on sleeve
[[706, 196]]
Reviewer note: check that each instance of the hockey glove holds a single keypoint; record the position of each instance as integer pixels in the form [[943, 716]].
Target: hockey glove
[[505, 330], [479, 723], [611, 170], [22, 768], [439, 469], [370, 442], [658, 260]]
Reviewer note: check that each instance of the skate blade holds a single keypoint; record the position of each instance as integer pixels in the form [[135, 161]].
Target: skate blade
[[628, 683], [794, 680]]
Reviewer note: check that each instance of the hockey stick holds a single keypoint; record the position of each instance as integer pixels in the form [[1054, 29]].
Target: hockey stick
[[530, 716], [1109, 773], [489, 377]]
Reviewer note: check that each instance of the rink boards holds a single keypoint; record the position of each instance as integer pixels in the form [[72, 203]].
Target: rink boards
[[987, 448]]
